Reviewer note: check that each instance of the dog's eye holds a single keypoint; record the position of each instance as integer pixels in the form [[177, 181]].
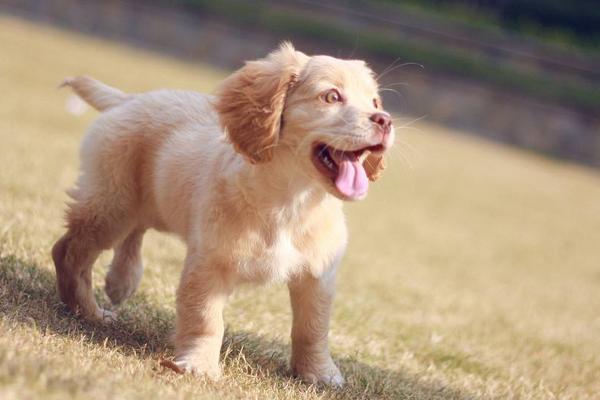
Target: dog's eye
[[376, 103], [332, 96]]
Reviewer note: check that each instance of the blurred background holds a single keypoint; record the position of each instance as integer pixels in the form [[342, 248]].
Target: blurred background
[[524, 72], [473, 268]]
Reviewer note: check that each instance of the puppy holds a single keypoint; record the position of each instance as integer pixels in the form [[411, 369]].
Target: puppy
[[251, 179]]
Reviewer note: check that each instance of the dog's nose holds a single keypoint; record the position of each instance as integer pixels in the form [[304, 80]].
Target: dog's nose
[[383, 120]]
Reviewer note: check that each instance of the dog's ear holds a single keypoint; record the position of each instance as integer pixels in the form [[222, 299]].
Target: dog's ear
[[250, 102], [374, 166]]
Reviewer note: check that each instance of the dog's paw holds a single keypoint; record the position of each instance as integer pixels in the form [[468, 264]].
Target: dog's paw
[[119, 288], [335, 379], [117, 291], [208, 370], [100, 315], [330, 376]]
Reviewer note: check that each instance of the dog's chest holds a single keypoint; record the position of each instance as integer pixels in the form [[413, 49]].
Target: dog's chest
[[268, 257], [275, 247]]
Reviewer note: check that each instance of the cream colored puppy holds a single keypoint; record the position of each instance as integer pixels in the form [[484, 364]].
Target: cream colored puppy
[[251, 179]]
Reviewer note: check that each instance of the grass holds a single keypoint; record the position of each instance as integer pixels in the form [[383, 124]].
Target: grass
[[472, 270]]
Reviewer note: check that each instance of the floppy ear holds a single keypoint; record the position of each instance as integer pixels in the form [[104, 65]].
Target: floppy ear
[[250, 102], [374, 166]]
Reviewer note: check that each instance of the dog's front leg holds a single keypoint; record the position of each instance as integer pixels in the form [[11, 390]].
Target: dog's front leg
[[201, 297], [311, 304]]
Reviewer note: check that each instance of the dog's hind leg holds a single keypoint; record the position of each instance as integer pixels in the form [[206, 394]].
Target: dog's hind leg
[[93, 226], [126, 267]]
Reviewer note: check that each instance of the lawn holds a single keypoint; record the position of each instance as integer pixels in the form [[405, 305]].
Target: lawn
[[473, 269]]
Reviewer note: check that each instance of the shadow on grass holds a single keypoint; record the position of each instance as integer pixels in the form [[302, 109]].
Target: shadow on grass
[[28, 296]]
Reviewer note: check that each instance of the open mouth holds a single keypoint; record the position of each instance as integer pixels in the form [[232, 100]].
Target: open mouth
[[344, 168]]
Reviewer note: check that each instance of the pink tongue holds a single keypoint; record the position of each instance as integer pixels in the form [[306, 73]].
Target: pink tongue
[[352, 179]]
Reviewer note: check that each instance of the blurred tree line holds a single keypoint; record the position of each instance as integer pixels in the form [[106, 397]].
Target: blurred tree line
[[363, 26], [579, 18]]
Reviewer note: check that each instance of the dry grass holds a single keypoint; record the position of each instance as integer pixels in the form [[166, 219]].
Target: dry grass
[[473, 273]]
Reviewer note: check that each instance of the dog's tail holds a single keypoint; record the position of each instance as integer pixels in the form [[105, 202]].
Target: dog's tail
[[95, 93]]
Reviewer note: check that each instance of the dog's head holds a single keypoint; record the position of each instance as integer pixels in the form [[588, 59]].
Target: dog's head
[[324, 112]]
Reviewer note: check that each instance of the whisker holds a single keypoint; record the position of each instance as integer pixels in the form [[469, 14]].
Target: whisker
[[389, 90], [398, 66], [411, 148], [388, 67], [411, 128], [405, 84], [355, 46], [405, 159], [397, 93], [409, 123], [397, 151], [341, 118]]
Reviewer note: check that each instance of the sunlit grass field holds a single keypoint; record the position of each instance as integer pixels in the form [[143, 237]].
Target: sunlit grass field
[[473, 269]]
